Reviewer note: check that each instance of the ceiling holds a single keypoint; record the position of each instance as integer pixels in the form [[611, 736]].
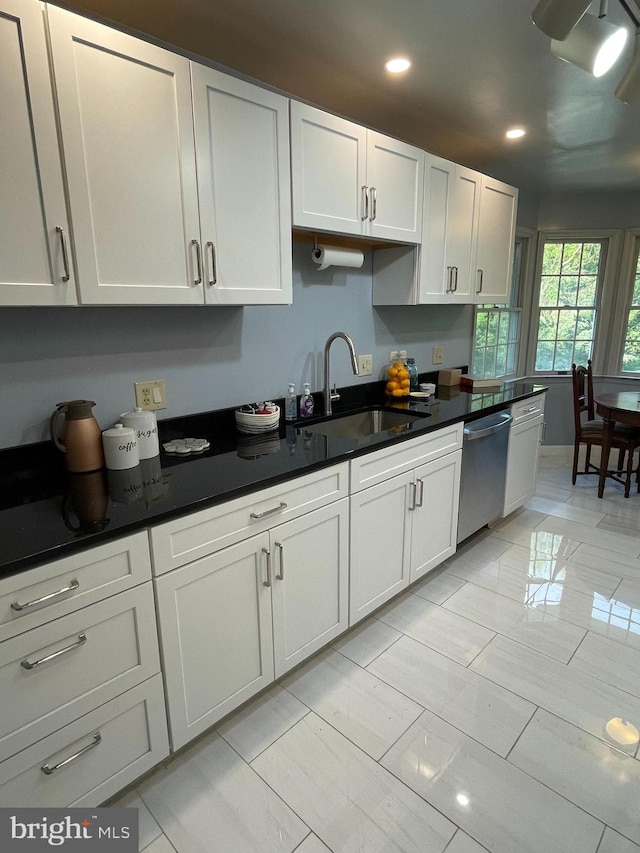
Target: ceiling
[[480, 66]]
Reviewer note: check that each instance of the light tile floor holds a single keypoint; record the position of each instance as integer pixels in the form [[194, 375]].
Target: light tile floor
[[492, 707]]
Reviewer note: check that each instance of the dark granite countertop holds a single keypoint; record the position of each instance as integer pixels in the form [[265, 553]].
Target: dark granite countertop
[[47, 513]]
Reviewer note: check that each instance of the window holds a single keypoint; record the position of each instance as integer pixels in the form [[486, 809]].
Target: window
[[497, 328], [631, 351], [570, 286]]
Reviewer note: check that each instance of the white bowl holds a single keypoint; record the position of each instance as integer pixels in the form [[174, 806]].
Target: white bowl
[[251, 424]]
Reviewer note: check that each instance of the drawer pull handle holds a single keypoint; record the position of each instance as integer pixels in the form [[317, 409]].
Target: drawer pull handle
[[213, 278], [97, 740], [267, 583], [198, 279], [421, 498], [374, 204], [268, 511], [27, 664], [365, 203], [530, 409], [45, 598], [280, 548]]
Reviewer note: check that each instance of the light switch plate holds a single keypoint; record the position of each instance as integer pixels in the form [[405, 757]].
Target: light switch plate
[[365, 365]]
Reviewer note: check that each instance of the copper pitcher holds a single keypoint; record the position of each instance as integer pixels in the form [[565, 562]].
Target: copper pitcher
[[80, 438]]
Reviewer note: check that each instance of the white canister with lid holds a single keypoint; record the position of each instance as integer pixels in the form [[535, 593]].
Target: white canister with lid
[[120, 447], [146, 427]]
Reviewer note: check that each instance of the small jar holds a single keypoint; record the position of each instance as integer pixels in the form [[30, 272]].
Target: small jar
[[120, 447]]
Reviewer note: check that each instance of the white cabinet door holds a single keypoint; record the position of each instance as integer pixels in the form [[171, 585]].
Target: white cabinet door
[[242, 152], [328, 165], [462, 235], [522, 462], [34, 270], [380, 542], [395, 179], [215, 625], [127, 136], [310, 583], [496, 235], [434, 520]]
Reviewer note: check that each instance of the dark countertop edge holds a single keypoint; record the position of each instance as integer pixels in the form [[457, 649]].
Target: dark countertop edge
[[89, 540]]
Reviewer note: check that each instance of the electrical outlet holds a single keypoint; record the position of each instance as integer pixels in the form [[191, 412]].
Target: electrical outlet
[[436, 357], [365, 365], [393, 355], [151, 395], [402, 354]]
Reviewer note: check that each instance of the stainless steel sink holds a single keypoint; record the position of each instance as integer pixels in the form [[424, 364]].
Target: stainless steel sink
[[364, 424]]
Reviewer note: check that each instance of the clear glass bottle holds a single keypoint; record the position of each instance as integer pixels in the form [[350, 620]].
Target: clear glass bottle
[[291, 404], [412, 367]]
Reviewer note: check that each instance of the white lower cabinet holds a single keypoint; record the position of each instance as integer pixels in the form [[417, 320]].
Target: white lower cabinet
[[83, 704], [525, 435], [402, 527], [232, 621]]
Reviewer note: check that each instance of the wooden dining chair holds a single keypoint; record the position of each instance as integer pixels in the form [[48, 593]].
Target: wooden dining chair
[[589, 431]]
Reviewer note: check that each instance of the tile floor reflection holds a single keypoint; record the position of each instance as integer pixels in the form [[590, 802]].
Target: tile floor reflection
[[494, 706]]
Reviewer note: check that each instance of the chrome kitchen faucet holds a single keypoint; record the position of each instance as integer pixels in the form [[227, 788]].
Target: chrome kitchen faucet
[[329, 395]]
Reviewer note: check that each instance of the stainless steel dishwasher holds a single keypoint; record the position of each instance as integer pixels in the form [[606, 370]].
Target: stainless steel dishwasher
[[484, 467]]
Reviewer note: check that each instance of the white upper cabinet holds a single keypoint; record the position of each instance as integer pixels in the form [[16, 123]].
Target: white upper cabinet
[[34, 267], [496, 235], [127, 137], [468, 233], [351, 180], [242, 154]]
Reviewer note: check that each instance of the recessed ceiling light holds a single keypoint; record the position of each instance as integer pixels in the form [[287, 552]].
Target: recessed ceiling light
[[515, 133], [398, 65]]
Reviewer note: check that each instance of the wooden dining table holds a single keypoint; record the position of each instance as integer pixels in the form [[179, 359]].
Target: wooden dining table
[[620, 407]]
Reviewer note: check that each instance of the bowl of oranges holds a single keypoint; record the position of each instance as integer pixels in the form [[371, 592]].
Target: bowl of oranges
[[398, 381]]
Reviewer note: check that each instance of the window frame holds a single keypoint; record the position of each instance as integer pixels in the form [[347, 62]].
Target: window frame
[[605, 295], [624, 294]]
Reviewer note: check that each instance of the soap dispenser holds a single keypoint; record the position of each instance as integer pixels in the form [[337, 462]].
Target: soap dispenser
[[306, 402]]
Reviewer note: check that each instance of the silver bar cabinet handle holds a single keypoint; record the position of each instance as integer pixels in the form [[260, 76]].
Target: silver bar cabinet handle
[[268, 580], [97, 739], [480, 280], [450, 282], [374, 203], [65, 257], [196, 245], [268, 511], [365, 203], [214, 271], [280, 548], [455, 279], [412, 505], [82, 639], [421, 493], [74, 584]]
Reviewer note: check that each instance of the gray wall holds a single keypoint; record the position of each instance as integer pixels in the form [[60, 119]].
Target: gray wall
[[210, 357], [589, 210]]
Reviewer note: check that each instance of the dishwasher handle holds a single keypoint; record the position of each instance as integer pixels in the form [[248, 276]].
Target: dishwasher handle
[[486, 426]]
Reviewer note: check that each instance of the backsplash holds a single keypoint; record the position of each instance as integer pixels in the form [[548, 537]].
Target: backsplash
[[210, 357]]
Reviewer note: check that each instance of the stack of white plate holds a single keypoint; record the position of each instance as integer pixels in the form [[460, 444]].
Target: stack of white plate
[[256, 424]]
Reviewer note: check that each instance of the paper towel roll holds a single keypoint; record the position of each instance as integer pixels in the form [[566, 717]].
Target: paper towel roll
[[336, 256]]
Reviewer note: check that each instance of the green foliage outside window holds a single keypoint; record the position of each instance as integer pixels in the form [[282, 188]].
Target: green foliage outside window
[[568, 304], [631, 355]]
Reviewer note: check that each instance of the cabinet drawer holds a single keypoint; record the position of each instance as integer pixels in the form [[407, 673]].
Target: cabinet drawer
[[382, 464], [193, 536], [54, 589], [104, 751], [55, 673], [527, 409]]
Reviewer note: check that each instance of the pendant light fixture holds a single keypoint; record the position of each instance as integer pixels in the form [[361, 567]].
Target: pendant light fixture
[[593, 45], [629, 87], [556, 18]]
